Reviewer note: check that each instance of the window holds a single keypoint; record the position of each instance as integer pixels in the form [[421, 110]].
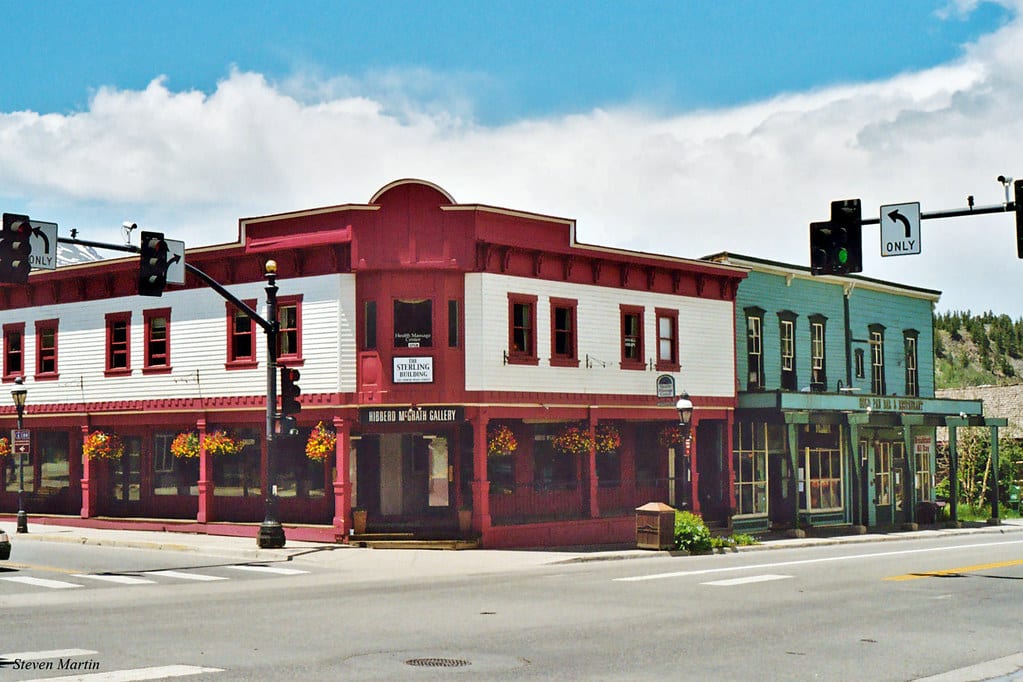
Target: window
[[173, 475], [157, 351], [241, 338], [563, 336], [912, 377], [522, 329], [883, 474], [922, 452], [754, 349], [413, 323], [289, 319], [667, 340], [860, 364], [552, 470], [750, 459], [787, 331], [118, 344], [824, 478], [818, 368], [453, 324], [632, 338], [877, 382], [46, 349], [369, 331], [14, 349]]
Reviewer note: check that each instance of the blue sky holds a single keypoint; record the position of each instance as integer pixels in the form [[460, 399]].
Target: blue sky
[[675, 127]]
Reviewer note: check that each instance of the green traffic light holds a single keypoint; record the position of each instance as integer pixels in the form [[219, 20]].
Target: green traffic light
[[843, 256]]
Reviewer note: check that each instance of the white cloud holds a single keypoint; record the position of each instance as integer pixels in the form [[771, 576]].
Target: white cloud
[[746, 179]]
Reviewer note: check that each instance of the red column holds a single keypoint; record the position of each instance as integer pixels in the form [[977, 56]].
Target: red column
[[90, 483], [342, 480], [205, 477], [694, 490], [591, 458], [480, 483]]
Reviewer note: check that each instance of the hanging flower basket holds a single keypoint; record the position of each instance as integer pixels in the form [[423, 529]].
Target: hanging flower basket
[[101, 445], [608, 438], [671, 436], [572, 440], [185, 445], [501, 441], [322, 443], [5, 447], [221, 443]]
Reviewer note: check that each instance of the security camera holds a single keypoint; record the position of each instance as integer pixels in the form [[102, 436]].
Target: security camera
[[128, 225]]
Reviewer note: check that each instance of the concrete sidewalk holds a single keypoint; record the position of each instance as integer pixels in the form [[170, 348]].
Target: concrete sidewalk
[[246, 549]]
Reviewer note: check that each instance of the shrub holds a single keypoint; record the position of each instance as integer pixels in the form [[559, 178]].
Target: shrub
[[691, 533]]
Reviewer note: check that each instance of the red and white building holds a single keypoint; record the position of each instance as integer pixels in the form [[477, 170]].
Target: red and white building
[[421, 328]]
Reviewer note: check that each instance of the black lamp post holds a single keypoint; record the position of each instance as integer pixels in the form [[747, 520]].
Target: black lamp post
[[271, 532], [19, 394], [685, 413]]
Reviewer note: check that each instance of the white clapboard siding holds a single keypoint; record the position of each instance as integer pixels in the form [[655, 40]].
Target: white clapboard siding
[[706, 339], [198, 343]]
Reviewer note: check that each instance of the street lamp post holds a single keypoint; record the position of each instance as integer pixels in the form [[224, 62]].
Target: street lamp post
[[685, 419], [271, 532], [19, 394]]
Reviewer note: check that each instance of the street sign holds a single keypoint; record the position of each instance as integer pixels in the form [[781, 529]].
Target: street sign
[[21, 440], [44, 245], [175, 261], [900, 229]]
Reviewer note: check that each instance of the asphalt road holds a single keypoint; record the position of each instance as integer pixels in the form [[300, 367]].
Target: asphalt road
[[880, 611]]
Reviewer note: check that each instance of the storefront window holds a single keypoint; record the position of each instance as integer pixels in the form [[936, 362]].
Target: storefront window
[[239, 475], [126, 472], [823, 478], [51, 449], [609, 468], [297, 475], [552, 469], [883, 474], [750, 462], [173, 475], [922, 446]]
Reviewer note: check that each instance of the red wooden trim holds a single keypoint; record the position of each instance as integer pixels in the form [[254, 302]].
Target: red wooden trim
[[671, 364], [14, 328], [244, 361], [111, 320], [42, 326], [148, 316], [571, 359], [628, 363], [528, 356], [292, 359]]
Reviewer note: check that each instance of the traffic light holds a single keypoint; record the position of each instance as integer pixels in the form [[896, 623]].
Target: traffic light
[[290, 390], [153, 264], [15, 249], [1018, 188], [836, 246]]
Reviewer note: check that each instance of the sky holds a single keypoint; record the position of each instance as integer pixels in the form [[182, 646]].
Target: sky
[[682, 128]]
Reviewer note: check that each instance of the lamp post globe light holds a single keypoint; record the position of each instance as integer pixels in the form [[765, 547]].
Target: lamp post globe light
[[685, 413], [19, 393]]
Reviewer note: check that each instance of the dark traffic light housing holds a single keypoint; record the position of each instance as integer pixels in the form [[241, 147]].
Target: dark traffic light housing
[[153, 264], [836, 246], [15, 249], [290, 390]]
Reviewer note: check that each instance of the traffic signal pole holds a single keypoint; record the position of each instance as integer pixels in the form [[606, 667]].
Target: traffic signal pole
[[271, 533]]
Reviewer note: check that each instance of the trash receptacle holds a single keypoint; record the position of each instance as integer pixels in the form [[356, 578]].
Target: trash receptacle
[[655, 526], [926, 512]]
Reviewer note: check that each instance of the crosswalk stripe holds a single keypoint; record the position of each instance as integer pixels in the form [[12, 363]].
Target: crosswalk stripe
[[186, 576], [135, 674], [115, 578], [40, 582], [51, 653], [747, 580], [268, 569]]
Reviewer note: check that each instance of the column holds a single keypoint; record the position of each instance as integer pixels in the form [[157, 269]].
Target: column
[[205, 476], [342, 479], [591, 458], [90, 483], [480, 483], [994, 520]]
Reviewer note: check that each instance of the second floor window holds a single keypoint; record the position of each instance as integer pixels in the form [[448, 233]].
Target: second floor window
[[818, 368], [157, 328], [632, 338], [413, 323], [754, 349], [289, 319], [912, 377], [563, 337], [522, 329], [877, 378], [241, 338], [14, 350], [667, 340], [787, 330], [46, 349], [119, 343]]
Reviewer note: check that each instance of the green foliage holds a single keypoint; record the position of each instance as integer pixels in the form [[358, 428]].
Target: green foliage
[[691, 533], [735, 540], [974, 349]]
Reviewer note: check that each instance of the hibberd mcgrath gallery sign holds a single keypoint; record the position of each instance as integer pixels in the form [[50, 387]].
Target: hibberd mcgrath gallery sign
[[411, 415]]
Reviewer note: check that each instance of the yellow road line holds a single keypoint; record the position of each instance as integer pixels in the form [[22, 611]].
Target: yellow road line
[[955, 571]]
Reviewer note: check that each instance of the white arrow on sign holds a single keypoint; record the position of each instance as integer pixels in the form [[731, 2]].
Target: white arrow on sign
[[900, 229], [44, 245], [175, 261]]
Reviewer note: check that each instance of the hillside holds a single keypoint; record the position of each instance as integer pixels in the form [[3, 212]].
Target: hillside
[[977, 350]]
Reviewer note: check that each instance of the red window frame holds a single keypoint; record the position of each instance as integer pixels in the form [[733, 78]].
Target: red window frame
[[570, 358], [526, 330], [117, 348], [154, 361], [46, 354], [234, 360], [293, 356], [639, 361], [671, 362], [11, 331]]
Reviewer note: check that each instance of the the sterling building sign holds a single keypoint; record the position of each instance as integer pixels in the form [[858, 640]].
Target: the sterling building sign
[[413, 370], [410, 415]]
